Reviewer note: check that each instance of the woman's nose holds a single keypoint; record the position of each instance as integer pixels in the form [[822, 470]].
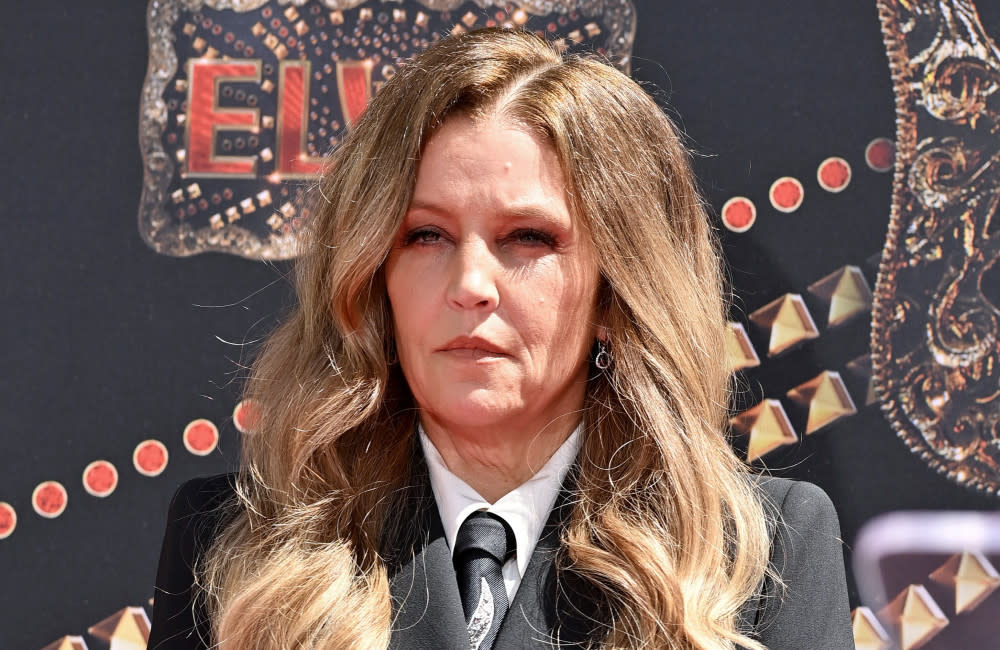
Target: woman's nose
[[473, 277]]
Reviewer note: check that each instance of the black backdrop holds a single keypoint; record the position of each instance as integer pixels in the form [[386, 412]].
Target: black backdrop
[[106, 343]]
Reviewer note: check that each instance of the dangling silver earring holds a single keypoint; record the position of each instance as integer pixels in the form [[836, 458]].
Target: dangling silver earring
[[603, 358]]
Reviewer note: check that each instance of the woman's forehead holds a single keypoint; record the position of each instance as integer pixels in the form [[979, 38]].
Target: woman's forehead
[[468, 162]]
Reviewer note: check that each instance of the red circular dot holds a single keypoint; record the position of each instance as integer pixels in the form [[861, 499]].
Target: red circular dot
[[834, 174], [201, 437], [49, 499], [739, 214], [150, 457], [100, 478], [246, 416], [786, 194], [8, 519], [880, 154]]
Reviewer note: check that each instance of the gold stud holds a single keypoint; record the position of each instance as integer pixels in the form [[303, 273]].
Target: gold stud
[[971, 575], [128, 626], [862, 367], [275, 221], [739, 349], [789, 321], [847, 292], [915, 615], [67, 643], [868, 632], [827, 399], [767, 427]]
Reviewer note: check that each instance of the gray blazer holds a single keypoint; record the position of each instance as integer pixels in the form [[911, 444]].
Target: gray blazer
[[813, 612]]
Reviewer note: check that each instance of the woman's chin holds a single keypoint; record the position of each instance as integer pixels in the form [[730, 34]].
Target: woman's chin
[[476, 409]]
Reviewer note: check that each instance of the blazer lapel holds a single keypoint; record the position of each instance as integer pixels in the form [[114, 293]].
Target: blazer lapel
[[427, 608], [542, 615], [531, 615]]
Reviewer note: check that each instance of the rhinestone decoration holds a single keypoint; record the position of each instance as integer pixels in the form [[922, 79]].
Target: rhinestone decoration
[[936, 307], [244, 98]]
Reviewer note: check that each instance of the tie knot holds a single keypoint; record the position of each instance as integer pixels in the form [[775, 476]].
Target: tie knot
[[487, 532]]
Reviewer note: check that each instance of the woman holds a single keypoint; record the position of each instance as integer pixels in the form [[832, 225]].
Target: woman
[[509, 332]]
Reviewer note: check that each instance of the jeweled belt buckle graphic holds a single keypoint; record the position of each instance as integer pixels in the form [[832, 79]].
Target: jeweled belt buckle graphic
[[243, 98]]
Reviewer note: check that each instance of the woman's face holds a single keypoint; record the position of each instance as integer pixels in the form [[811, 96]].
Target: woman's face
[[492, 282]]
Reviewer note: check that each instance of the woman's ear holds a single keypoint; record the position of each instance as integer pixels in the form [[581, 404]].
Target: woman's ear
[[601, 333]]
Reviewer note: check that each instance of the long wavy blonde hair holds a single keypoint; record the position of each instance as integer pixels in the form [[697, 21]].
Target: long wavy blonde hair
[[666, 527]]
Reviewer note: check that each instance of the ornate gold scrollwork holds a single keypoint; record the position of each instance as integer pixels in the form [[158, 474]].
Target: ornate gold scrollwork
[[935, 322]]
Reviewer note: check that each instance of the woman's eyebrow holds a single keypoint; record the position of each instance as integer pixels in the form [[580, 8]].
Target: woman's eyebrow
[[421, 204], [521, 211]]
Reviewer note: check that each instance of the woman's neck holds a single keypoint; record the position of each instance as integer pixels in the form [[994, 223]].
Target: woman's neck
[[495, 460]]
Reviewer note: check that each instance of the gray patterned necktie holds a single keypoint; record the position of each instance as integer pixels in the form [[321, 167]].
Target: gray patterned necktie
[[484, 542]]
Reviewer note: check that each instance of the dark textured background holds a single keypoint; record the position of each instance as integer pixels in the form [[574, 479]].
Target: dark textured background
[[106, 343]]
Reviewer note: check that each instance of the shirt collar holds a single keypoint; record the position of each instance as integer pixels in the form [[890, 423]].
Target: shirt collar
[[526, 507]]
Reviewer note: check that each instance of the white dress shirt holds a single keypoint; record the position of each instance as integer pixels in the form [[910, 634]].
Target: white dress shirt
[[525, 508]]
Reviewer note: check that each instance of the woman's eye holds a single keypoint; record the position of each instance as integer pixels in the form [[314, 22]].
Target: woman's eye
[[532, 237], [422, 236]]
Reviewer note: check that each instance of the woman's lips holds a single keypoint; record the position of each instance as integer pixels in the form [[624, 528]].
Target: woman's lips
[[473, 354], [465, 347]]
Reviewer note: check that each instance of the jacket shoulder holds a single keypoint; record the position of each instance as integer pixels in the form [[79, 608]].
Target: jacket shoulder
[[809, 608], [202, 496], [793, 498], [197, 511]]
